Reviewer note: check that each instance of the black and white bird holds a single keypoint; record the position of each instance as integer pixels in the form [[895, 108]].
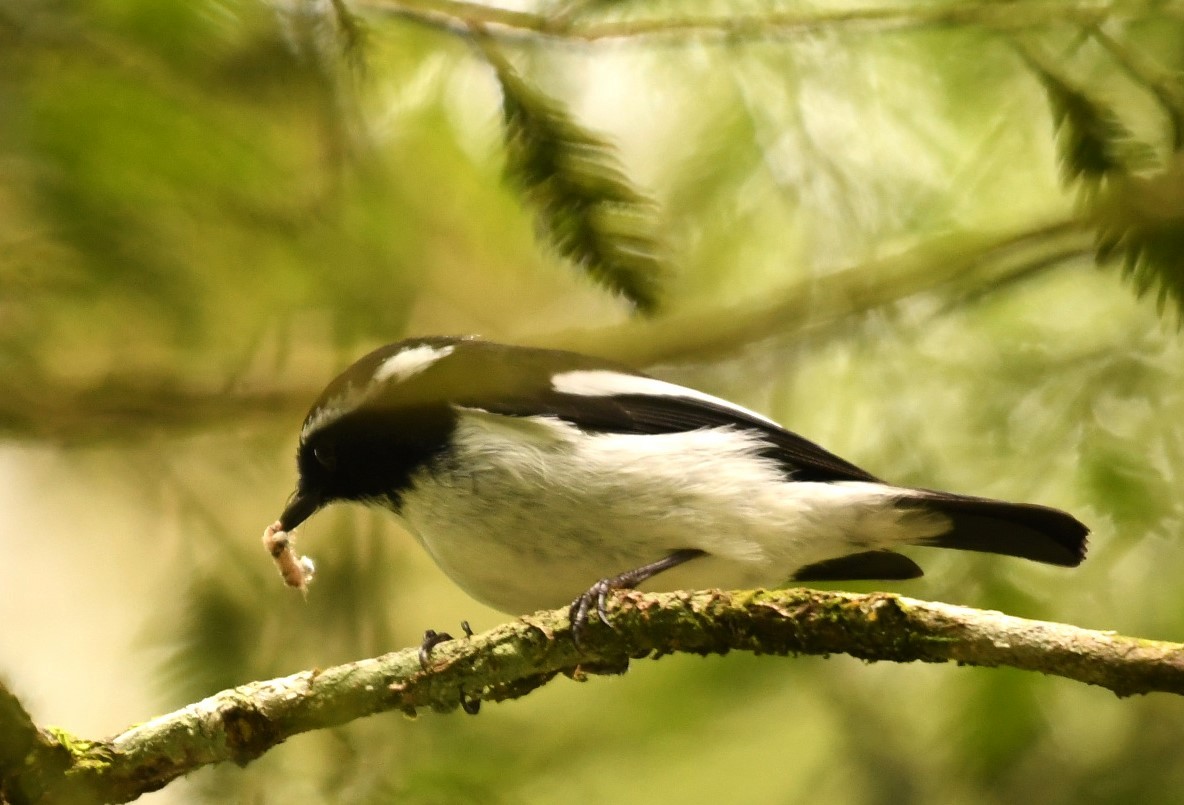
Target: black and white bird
[[535, 476]]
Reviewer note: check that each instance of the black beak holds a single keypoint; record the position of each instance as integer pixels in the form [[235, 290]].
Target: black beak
[[300, 507]]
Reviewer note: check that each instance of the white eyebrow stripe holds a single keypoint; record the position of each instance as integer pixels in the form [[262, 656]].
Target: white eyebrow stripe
[[325, 415], [409, 362], [402, 365], [607, 383]]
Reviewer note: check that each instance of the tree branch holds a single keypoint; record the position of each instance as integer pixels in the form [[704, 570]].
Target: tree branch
[[28, 757], [459, 17], [38, 407], [960, 267], [513, 659]]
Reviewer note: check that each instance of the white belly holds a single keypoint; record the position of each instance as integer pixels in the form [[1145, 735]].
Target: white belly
[[530, 512]]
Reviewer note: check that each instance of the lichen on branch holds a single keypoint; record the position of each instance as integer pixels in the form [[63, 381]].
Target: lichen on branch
[[513, 659]]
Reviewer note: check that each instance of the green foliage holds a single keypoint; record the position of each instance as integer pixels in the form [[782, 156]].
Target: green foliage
[[208, 208], [585, 204], [1139, 219], [1141, 225], [216, 642], [197, 160], [1095, 145]]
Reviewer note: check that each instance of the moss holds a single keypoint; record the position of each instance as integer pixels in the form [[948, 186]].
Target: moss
[[84, 753]]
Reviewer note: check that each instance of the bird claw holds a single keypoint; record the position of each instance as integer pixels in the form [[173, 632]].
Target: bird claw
[[603, 587], [470, 706], [431, 639], [596, 597], [579, 610]]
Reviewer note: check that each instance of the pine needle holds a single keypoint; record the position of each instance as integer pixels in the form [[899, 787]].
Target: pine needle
[[584, 203], [1095, 144], [1141, 223], [216, 642], [1139, 219]]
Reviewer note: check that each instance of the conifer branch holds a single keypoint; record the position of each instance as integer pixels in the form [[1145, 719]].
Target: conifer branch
[[585, 205], [1164, 85], [1095, 144], [1140, 222]]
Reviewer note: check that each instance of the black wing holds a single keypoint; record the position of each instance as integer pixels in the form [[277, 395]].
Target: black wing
[[519, 381], [642, 413]]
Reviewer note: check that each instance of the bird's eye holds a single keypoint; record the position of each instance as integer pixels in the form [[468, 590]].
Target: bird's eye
[[325, 456]]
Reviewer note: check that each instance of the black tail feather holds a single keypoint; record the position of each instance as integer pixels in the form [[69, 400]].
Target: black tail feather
[[1024, 530]]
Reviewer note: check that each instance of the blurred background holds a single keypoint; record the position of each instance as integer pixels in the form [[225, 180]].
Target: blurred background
[[878, 224]]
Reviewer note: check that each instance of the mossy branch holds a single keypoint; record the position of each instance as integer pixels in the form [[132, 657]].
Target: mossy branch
[[511, 660]]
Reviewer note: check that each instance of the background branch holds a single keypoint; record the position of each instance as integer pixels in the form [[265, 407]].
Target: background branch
[[961, 268], [513, 659], [458, 17]]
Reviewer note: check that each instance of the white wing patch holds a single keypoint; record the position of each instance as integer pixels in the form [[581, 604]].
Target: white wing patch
[[607, 383], [409, 362]]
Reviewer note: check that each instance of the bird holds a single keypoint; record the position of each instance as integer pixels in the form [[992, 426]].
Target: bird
[[538, 478]]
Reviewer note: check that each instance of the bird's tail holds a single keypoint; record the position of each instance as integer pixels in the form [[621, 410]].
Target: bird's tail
[[1025, 530]]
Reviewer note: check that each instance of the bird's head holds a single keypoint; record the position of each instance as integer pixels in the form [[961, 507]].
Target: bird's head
[[371, 428]]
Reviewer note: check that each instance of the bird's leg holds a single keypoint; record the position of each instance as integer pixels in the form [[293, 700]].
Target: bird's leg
[[598, 592]]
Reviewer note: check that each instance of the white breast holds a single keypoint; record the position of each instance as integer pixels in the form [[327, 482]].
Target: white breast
[[531, 511]]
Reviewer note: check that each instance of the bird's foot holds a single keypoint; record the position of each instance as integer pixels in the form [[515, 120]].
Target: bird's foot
[[597, 594], [470, 706], [432, 638], [595, 598]]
